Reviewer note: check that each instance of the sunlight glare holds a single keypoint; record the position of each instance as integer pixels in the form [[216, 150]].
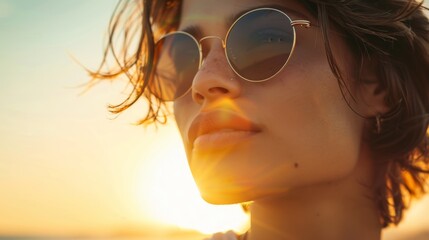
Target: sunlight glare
[[173, 198]]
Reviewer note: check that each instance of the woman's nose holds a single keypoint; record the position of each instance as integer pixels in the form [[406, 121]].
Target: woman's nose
[[215, 78]]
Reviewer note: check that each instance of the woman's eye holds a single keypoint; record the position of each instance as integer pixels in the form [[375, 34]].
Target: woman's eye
[[270, 36]]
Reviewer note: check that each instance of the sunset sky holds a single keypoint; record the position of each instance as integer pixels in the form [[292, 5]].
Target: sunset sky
[[66, 165]]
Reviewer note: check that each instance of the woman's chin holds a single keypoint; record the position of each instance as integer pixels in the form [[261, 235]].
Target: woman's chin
[[223, 199], [220, 195], [231, 194]]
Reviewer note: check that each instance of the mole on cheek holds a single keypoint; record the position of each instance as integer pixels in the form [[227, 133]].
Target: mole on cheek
[[296, 165]]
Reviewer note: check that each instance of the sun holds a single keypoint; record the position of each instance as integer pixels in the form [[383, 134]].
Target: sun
[[171, 196]]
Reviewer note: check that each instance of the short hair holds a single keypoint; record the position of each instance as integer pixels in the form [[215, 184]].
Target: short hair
[[392, 34]]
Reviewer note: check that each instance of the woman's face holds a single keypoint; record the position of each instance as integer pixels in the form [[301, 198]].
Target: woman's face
[[246, 141]]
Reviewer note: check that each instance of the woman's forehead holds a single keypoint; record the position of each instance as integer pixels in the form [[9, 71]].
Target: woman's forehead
[[196, 12]]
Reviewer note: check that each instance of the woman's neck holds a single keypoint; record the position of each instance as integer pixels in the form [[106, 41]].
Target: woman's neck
[[339, 210]]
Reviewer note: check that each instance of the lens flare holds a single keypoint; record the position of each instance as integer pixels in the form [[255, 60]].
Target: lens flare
[[170, 196]]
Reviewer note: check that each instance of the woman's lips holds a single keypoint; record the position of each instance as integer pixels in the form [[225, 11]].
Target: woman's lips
[[221, 139], [220, 129]]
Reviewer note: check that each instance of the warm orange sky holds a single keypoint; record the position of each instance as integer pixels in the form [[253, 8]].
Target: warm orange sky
[[65, 167]]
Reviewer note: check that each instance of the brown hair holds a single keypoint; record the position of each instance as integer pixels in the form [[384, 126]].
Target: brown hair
[[393, 34]]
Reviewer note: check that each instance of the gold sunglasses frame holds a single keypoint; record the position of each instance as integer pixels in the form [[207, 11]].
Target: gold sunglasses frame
[[299, 22]]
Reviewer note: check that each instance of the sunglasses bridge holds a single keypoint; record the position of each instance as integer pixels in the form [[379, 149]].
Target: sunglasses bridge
[[213, 37]]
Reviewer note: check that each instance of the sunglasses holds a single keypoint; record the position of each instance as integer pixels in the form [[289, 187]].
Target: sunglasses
[[257, 46]]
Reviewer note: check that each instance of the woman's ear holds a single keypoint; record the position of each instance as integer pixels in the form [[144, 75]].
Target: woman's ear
[[371, 94]]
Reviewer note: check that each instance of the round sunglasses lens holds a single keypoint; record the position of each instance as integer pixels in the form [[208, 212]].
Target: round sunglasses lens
[[260, 43], [176, 63]]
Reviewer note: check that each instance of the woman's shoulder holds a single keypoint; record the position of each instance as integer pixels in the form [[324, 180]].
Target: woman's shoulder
[[230, 235]]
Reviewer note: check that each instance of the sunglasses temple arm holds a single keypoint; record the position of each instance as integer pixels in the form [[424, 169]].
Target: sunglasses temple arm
[[302, 23]]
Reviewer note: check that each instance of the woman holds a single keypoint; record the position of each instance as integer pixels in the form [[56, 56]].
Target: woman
[[314, 111]]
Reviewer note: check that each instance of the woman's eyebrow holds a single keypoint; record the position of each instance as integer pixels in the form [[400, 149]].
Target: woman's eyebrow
[[197, 32], [194, 30], [282, 8]]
